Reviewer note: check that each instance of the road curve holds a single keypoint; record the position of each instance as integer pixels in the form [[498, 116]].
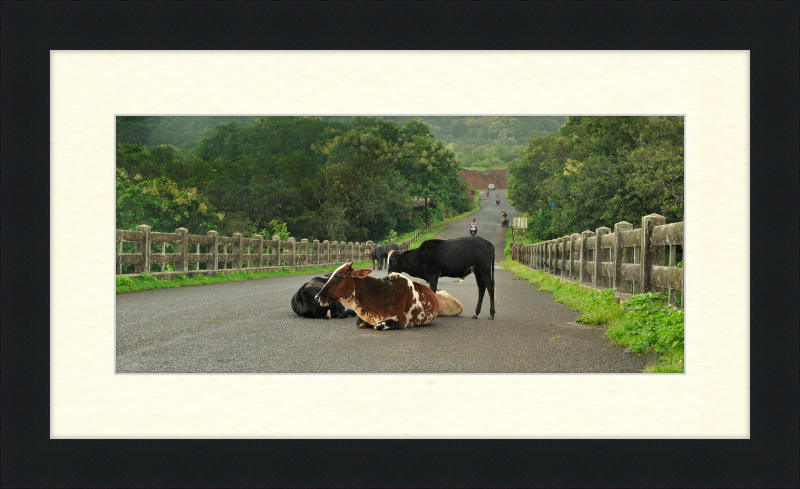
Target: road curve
[[249, 327]]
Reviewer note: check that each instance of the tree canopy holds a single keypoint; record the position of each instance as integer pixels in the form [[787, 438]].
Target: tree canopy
[[322, 179], [598, 171]]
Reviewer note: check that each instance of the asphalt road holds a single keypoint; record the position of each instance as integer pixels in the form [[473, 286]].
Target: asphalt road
[[249, 326]]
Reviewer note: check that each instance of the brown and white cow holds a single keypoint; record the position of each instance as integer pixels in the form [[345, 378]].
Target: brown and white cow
[[389, 302]]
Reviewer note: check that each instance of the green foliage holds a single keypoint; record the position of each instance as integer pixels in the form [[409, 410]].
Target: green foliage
[[124, 282], [599, 171], [649, 325], [276, 228], [163, 205]]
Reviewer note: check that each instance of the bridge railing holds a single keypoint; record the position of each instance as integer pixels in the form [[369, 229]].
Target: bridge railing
[[415, 237], [633, 261], [209, 254]]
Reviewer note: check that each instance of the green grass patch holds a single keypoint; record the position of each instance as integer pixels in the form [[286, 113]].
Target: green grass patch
[[643, 323], [147, 281]]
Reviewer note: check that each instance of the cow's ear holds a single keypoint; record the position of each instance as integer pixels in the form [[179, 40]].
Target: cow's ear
[[362, 272]]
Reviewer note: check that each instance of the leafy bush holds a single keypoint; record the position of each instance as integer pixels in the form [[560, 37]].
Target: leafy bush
[[124, 281], [649, 324]]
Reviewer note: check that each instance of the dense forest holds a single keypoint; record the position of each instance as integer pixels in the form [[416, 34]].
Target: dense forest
[[597, 171], [299, 176]]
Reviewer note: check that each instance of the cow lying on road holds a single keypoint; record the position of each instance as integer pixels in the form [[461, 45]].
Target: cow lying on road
[[450, 258], [304, 304], [388, 302]]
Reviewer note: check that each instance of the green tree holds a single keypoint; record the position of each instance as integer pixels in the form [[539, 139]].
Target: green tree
[[163, 205], [599, 171]]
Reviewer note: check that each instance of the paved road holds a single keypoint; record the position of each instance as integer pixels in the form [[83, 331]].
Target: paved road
[[249, 326]]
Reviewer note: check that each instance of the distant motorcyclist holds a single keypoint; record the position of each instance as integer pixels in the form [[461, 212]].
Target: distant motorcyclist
[[473, 228], [497, 199], [504, 218]]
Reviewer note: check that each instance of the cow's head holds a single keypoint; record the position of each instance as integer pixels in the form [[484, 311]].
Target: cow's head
[[341, 284], [397, 262]]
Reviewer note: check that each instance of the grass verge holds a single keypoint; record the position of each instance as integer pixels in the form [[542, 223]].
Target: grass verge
[[643, 323], [148, 282]]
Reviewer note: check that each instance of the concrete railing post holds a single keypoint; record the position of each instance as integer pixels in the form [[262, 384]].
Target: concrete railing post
[[182, 248], [143, 247], [291, 248], [237, 251], [573, 248], [619, 257], [213, 248], [650, 255], [597, 278], [564, 249], [584, 249], [278, 250], [316, 255], [404, 246], [259, 250]]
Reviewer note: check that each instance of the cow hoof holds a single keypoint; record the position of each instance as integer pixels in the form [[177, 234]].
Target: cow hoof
[[381, 327], [491, 317], [474, 316]]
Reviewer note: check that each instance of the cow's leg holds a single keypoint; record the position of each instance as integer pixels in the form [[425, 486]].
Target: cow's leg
[[362, 324], [489, 283], [389, 324], [433, 280], [481, 289]]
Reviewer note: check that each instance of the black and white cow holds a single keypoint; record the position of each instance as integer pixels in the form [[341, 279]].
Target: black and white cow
[[304, 304], [450, 258]]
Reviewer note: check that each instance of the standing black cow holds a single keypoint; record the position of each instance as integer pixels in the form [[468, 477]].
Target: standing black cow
[[303, 302], [450, 258], [378, 254]]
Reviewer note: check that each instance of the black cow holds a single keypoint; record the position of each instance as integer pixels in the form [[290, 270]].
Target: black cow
[[378, 254], [304, 304], [450, 258]]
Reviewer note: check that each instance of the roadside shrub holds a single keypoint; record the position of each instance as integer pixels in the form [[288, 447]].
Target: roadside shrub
[[124, 281], [649, 324]]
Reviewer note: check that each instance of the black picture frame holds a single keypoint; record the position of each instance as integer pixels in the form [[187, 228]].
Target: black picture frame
[[769, 30]]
